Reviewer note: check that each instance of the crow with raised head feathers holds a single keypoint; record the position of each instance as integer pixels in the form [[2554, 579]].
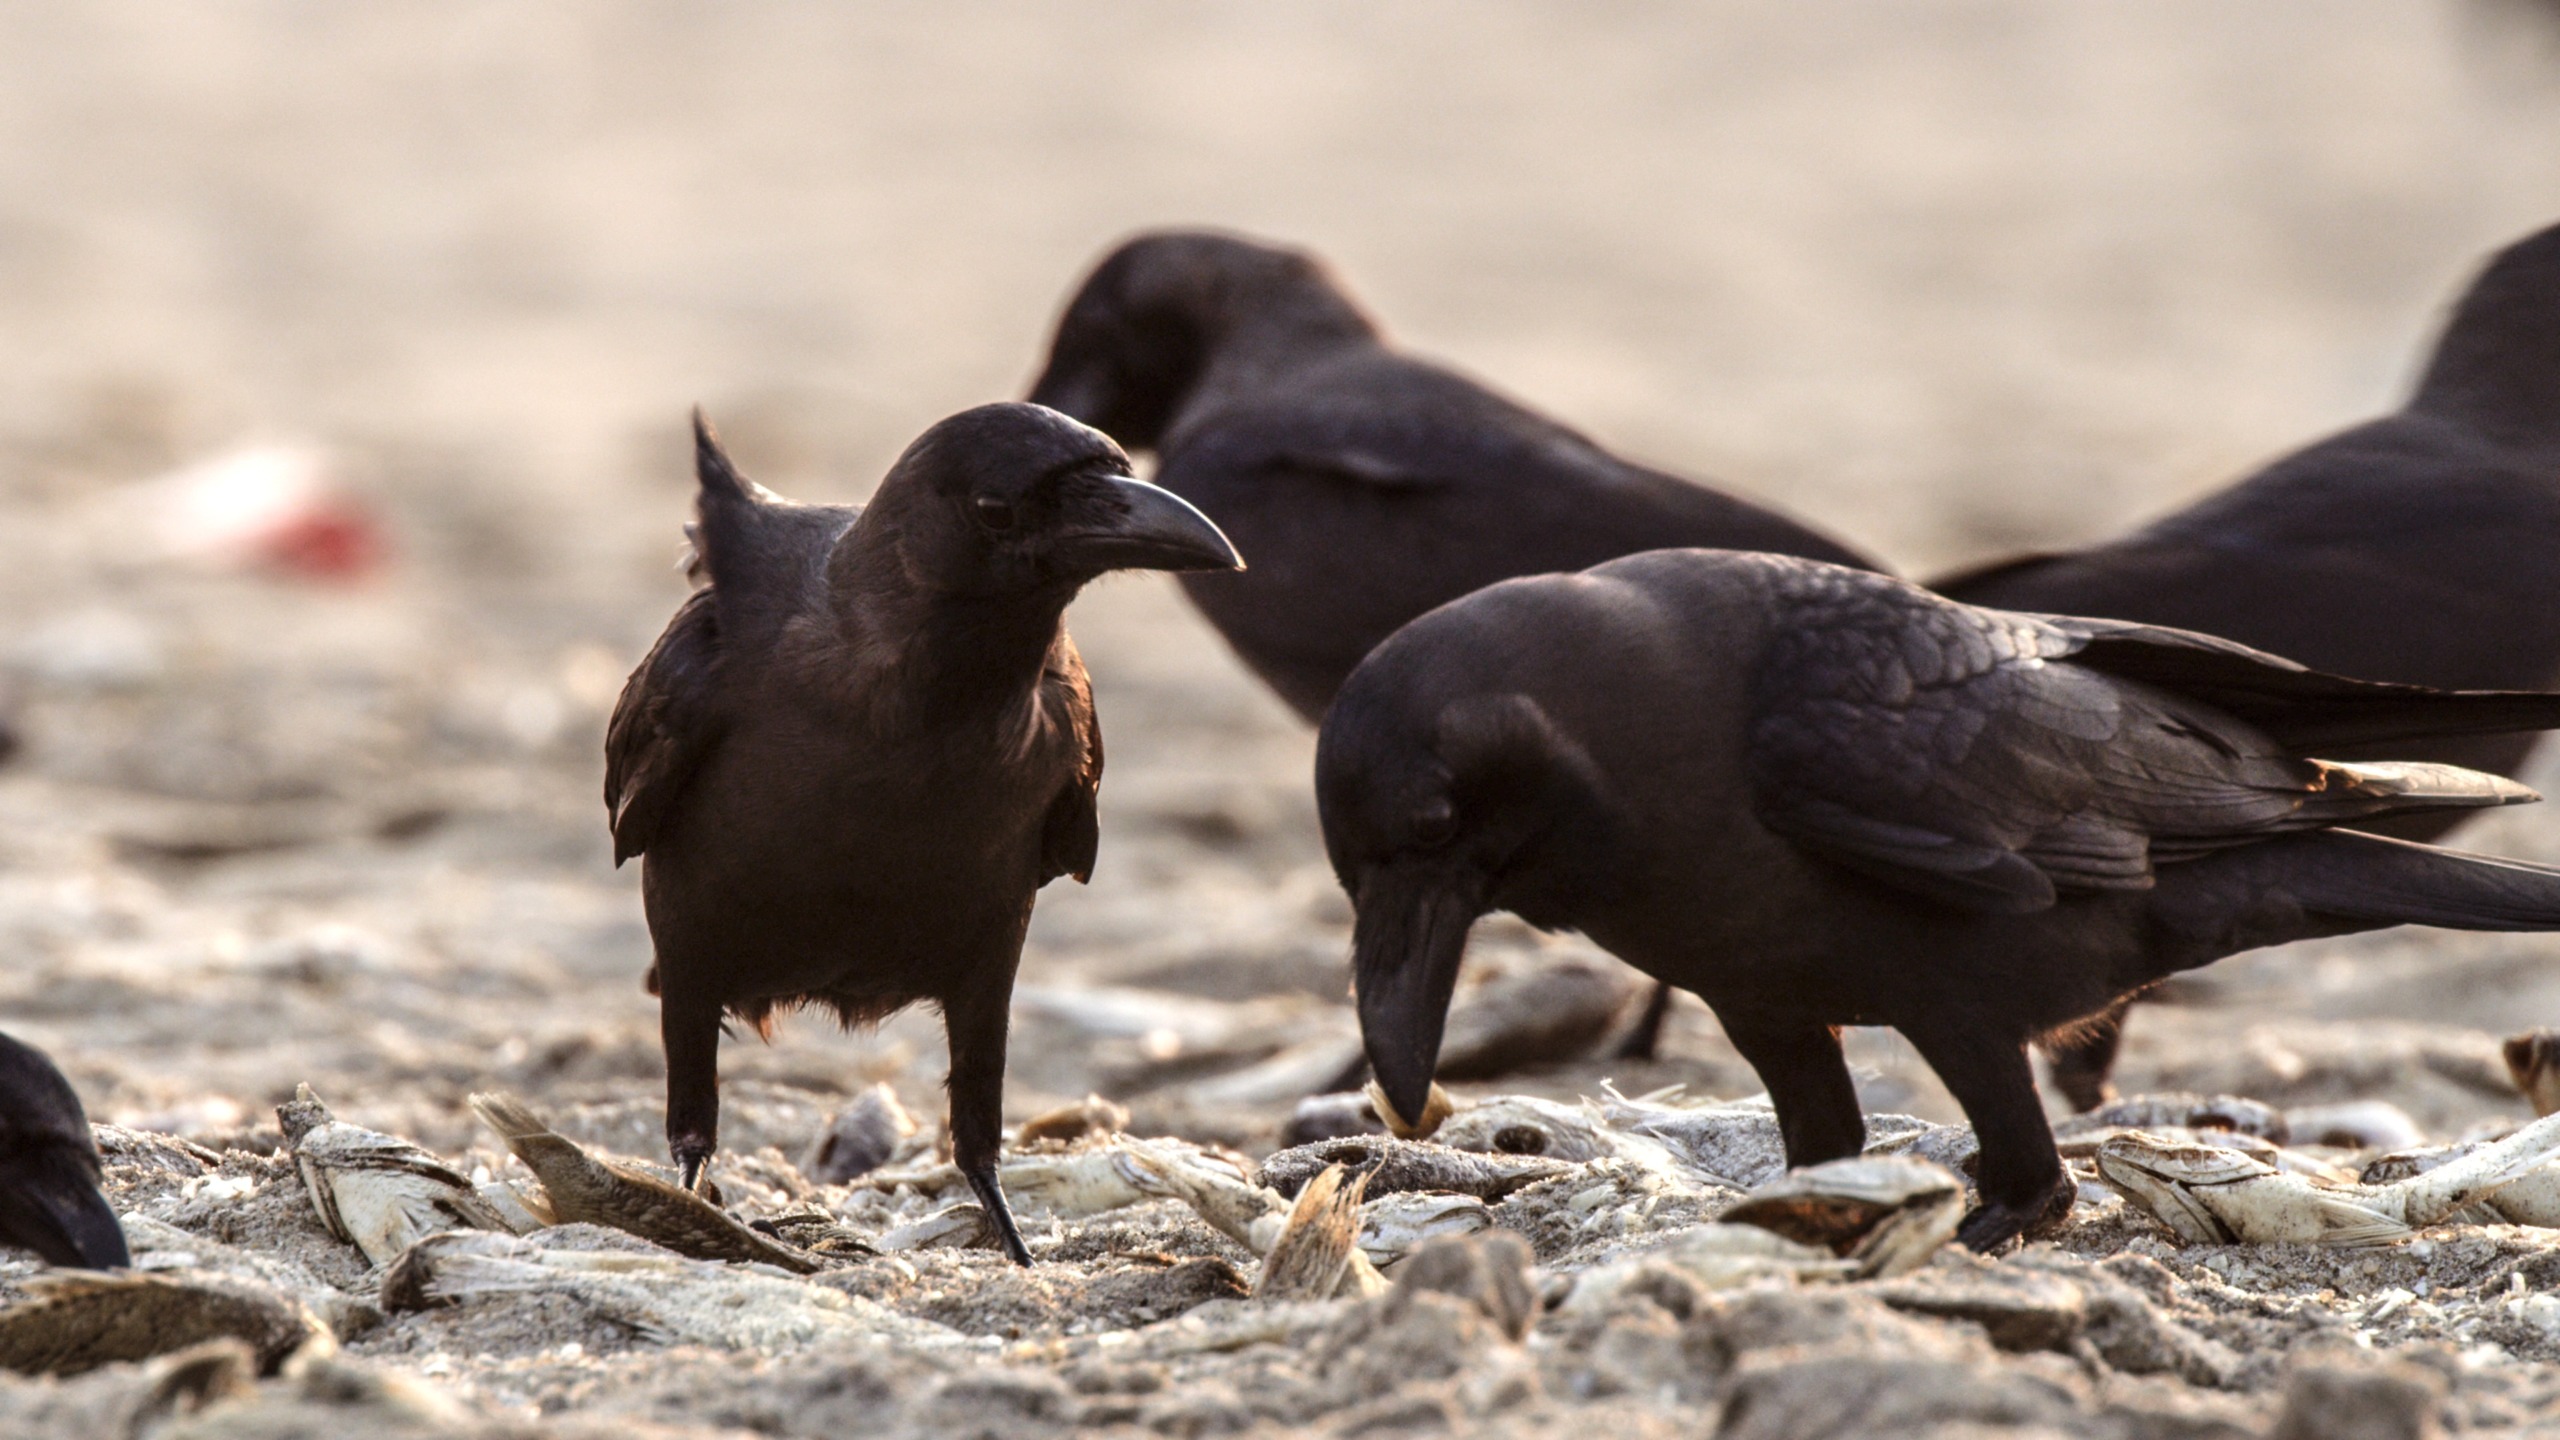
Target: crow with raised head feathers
[[2422, 547], [1366, 484], [853, 759], [1819, 797], [49, 1170]]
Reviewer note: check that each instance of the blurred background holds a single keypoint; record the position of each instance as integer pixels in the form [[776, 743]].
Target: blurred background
[[345, 353]]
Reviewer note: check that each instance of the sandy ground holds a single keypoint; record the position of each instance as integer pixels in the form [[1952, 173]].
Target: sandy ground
[[1949, 280]]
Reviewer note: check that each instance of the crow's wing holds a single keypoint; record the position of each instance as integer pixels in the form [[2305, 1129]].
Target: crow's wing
[[667, 720], [1971, 756], [1071, 831]]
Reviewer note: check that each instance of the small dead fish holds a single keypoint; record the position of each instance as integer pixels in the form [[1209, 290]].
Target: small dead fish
[[1250, 1214], [959, 1227], [1317, 1255], [818, 1233], [659, 1297], [77, 1320], [2533, 1062], [1092, 1115], [585, 1190], [865, 1135], [1393, 1226], [2534, 1199], [1576, 1134], [1731, 1143], [2216, 1197], [2355, 1125], [377, 1192], [2084, 1145], [2181, 1110], [1088, 1178], [1888, 1213], [1712, 1256], [1393, 1166], [1541, 1015]]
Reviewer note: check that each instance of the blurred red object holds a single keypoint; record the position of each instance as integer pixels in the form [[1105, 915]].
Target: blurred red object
[[270, 507]]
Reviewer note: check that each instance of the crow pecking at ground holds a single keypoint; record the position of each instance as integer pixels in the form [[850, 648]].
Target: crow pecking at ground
[[1819, 797], [852, 759]]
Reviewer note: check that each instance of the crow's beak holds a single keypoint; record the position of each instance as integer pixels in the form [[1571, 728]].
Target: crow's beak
[[1118, 523], [53, 1208], [1409, 936]]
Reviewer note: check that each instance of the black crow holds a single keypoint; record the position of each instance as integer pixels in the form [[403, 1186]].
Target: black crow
[[1820, 797], [2423, 547], [49, 1171], [852, 760], [1367, 485]]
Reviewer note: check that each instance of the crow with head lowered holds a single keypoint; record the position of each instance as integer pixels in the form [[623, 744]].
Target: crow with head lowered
[[1819, 797], [856, 755]]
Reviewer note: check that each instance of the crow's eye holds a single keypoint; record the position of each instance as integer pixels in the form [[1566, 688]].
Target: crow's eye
[[995, 514]]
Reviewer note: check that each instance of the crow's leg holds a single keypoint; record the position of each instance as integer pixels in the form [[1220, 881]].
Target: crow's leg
[[1642, 1041], [2083, 1056], [975, 1026], [1808, 1082], [2019, 1174], [689, 1028]]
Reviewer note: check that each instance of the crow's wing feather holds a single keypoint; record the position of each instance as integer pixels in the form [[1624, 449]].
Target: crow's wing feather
[[1960, 753], [667, 720], [1071, 831]]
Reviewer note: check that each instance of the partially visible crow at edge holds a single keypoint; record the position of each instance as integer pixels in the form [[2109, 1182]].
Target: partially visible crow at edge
[[49, 1170], [1367, 484], [853, 759], [2423, 547], [1819, 797]]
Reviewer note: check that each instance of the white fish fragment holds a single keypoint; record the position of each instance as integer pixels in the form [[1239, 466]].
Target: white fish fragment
[[664, 1298], [1394, 1226], [2533, 1199], [1712, 1256], [378, 1192], [2212, 1196]]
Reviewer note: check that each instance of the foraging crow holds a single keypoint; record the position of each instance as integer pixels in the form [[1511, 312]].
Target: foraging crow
[[851, 761], [1367, 485], [1819, 797], [2423, 547], [49, 1171]]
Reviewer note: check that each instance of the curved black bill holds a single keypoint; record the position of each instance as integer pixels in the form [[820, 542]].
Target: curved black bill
[[49, 1203], [1409, 936], [1128, 524]]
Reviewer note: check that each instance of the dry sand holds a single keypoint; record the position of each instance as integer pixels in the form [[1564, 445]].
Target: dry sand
[[1949, 280]]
